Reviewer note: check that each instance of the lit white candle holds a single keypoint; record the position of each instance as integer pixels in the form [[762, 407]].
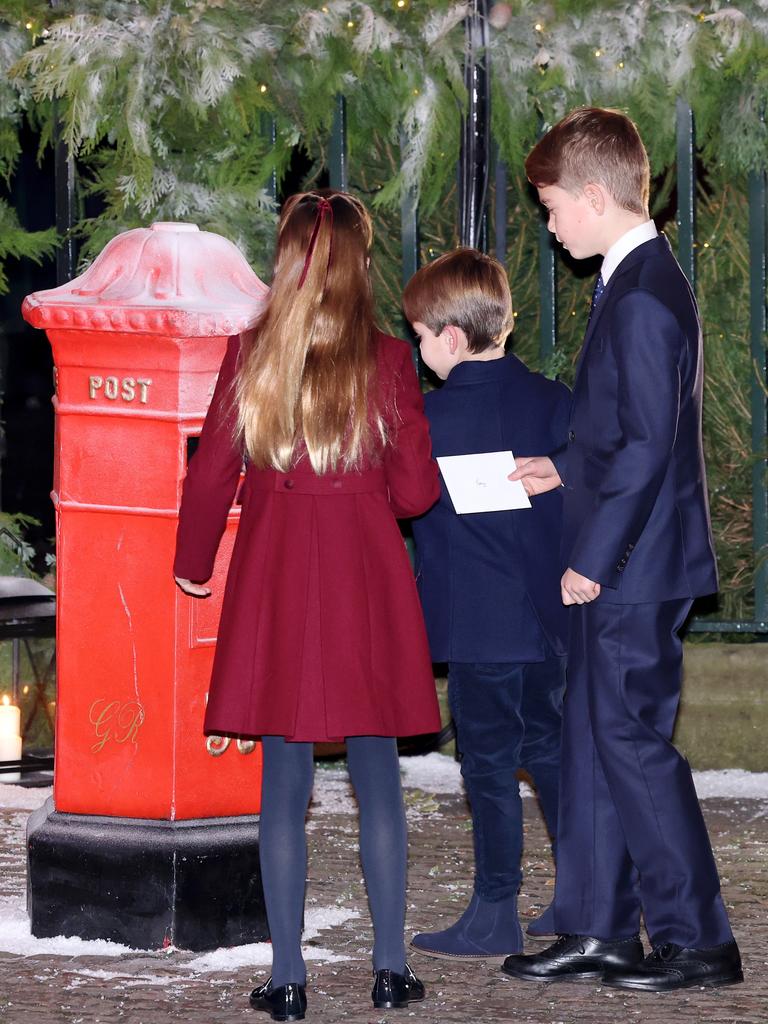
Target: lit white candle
[[10, 738]]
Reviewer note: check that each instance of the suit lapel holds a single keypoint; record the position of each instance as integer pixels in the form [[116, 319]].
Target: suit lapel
[[597, 312], [653, 247]]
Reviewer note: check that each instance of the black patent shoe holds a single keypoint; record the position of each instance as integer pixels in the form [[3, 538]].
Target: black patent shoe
[[574, 957], [393, 991], [288, 1002], [670, 967]]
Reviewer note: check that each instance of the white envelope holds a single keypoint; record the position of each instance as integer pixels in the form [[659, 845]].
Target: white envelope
[[478, 483]]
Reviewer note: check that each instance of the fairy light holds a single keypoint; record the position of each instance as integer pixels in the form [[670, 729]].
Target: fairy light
[[538, 27], [28, 26], [350, 24], [620, 64], [598, 53], [262, 88]]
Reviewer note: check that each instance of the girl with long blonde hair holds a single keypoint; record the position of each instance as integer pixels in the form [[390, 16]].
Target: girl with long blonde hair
[[321, 635]]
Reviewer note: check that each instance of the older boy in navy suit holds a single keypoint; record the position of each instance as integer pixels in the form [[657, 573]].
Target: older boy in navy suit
[[489, 584], [638, 547]]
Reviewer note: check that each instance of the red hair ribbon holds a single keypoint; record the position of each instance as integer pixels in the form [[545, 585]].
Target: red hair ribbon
[[323, 207]]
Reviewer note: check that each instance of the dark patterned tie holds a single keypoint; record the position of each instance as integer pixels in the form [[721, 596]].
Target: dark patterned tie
[[597, 294]]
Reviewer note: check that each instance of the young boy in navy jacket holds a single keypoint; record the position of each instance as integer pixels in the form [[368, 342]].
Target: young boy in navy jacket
[[489, 584]]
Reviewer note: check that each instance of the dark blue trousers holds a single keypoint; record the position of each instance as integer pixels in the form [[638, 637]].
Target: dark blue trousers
[[631, 835], [507, 717]]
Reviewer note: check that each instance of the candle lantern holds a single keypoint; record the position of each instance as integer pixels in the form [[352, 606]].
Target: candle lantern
[[151, 837], [10, 737]]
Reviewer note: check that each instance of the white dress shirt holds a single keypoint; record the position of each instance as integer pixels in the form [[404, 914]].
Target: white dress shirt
[[623, 247]]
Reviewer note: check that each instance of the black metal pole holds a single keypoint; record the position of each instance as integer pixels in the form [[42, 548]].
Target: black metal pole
[[65, 197], [474, 160]]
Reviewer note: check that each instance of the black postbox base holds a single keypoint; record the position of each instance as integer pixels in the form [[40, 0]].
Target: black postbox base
[[146, 884]]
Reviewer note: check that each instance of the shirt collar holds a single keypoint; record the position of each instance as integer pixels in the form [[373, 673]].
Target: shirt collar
[[623, 247]]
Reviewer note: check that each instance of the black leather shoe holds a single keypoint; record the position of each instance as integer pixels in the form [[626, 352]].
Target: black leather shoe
[[575, 956], [670, 967], [394, 991], [288, 1002]]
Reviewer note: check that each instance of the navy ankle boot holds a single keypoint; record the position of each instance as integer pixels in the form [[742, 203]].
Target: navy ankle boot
[[485, 930]]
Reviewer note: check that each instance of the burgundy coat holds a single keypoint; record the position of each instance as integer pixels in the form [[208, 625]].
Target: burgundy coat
[[321, 633]]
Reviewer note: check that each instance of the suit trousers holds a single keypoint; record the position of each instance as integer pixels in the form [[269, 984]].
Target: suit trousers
[[631, 834], [507, 717]]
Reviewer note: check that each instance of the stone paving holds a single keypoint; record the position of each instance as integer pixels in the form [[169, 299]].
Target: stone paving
[[161, 987]]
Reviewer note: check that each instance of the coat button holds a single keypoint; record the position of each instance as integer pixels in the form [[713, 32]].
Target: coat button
[[288, 484], [337, 483], [571, 436]]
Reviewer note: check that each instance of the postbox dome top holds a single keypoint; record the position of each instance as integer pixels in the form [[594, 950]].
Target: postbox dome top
[[167, 278]]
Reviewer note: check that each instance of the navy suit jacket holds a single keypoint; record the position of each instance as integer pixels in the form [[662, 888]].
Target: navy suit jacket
[[490, 582], [636, 515]]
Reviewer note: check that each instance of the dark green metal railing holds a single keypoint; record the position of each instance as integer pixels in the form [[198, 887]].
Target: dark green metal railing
[[686, 223], [759, 389]]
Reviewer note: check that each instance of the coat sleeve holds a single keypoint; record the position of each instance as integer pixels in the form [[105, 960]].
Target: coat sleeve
[[412, 474], [559, 430], [211, 480], [647, 345]]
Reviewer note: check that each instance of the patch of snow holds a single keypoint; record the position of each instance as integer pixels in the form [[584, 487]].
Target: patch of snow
[[731, 783], [316, 919], [123, 979], [21, 798], [432, 773], [332, 793], [438, 773], [16, 937]]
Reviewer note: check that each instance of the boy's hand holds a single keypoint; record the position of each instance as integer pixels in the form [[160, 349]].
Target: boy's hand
[[193, 589], [577, 589], [537, 473]]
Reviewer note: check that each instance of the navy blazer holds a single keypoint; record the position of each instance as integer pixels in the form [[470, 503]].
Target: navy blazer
[[490, 582], [636, 515]]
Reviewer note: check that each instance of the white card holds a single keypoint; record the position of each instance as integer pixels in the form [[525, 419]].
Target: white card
[[478, 483]]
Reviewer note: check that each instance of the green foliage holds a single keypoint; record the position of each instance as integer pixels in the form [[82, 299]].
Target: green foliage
[[16, 554], [723, 290], [18, 243], [162, 89], [165, 104]]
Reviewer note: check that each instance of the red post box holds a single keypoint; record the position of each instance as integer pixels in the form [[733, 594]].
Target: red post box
[[137, 341]]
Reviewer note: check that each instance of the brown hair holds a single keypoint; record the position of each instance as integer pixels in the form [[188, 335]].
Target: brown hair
[[466, 289], [598, 145], [308, 363]]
